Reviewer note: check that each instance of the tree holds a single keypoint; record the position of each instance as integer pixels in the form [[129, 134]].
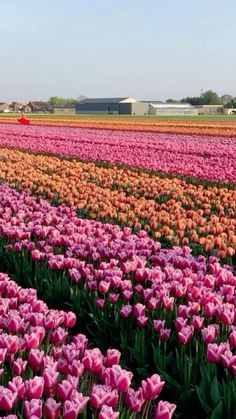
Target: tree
[[225, 99], [56, 101], [172, 101], [194, 101], [210, 98]]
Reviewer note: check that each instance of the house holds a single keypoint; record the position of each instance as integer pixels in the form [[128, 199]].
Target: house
[[4, 107], [111, 106], [26, 109], [39, 106], [16, 106], [63, 110], [172, 109]]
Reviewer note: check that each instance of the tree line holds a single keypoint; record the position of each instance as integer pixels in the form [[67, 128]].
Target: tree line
[[208, 98]]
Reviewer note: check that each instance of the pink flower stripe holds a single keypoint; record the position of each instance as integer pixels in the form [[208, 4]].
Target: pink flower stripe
[[47, 373], [210, 158]]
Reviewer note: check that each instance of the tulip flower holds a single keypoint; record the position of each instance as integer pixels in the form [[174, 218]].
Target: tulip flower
[[7, 399], [151, 387], [164, 410], [33, 408], [51, 409], [134, 399], [34, 387], [36, 359], [107, 413], [112, 357]]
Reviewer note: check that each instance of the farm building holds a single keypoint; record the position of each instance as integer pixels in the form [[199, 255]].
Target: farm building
[[172, 109], [210, 109], [39, 106], [4, 107], [112, 106], [16, 106], [63, 110]]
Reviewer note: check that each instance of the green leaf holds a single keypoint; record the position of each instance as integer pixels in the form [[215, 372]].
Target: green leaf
[[217, 412], [202, 398], [215, 393]]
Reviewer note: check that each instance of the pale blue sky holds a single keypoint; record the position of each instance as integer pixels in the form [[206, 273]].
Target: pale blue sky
[[142, 48]]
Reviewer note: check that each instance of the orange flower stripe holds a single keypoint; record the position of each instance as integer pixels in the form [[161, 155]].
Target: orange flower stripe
[[220, 128], [168, 209]]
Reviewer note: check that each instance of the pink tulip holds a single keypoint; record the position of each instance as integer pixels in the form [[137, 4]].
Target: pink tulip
[[232, 339], [165, 334], [142, 321], [35, 359], [151, 387], [76, 368], [107, 413], [138, 310], [113, 298], [58, 336], [65, 390], [7, 399], [126, 310], [50, 378], [158, 325], [101, 395], [17, 386], [34, 388], [197, 322], [209, 334], [120, 379], [19, 366], [214, 352], [51, 409], [69, 319], [186, 334], [134, 399], [112, 357], [100, 303], [33, 408], [93, 360], [164, 410], [32, 341]]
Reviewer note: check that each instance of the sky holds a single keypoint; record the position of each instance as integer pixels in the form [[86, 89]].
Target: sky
[[146, 49]]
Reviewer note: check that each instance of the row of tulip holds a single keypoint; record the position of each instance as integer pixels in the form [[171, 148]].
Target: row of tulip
[[135, 124], [169, 209], [167, 311], [46, 373], [210, 158]]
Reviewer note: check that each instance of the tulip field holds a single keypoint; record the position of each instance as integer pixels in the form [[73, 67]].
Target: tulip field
[[117, 269]]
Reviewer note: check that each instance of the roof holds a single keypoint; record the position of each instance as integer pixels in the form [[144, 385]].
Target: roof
[[103, 100], [150, 101], [64, 107], [171, 105]]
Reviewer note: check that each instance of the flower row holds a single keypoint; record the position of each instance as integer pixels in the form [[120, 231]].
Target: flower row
[[169, 311], [45, 372], [169, 209], [210, 158], [138, 124]]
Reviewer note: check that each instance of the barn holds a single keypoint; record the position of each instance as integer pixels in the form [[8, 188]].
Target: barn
[[172, 109], [111, 106]]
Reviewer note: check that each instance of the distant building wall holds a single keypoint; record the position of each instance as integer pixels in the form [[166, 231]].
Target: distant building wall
[[135, 108], [210, 109], [171, 111], [97, 108], [63, 110]]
